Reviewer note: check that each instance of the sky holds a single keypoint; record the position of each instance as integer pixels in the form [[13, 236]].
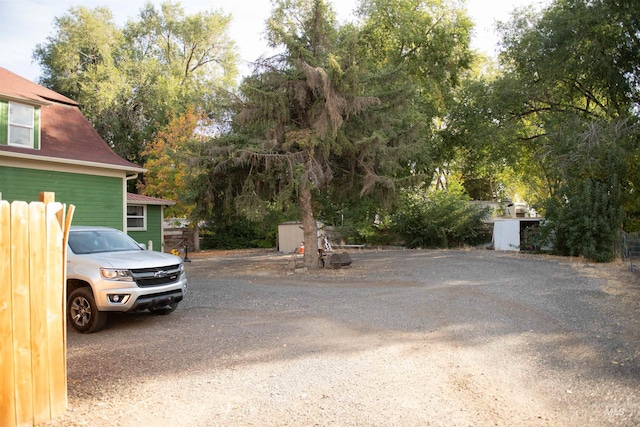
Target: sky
[[27, 23]]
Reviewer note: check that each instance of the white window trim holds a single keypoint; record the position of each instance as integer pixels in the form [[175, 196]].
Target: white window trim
[[144, 218], [30, 128]]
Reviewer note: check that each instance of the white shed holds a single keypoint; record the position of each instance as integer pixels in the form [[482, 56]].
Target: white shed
[[507, 232], [291, 235]]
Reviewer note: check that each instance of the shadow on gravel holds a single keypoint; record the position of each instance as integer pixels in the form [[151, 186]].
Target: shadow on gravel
[[250, 309]]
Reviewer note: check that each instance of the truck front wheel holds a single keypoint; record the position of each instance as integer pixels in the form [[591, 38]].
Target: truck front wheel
[[82, 312]]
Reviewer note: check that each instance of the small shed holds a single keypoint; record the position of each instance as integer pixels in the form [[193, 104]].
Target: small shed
[[145, 220], [291, 235], [509, 233]]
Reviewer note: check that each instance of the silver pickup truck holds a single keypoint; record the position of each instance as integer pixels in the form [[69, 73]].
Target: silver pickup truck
[[108, 271]]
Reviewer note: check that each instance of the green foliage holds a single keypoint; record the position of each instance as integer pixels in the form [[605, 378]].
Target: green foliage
[[324, 115], [238, 232], [415, 52], [361, 221], [132, 81], [235, 234], [481, 140], [85, 44], [585, 220], [438, 219], [578, 55], [429, 38], [561, 119], [375, 232], [631, 202]]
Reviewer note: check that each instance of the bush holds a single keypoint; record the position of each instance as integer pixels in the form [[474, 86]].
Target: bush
[[439, 219], [585, 220], [364, 220], [240, 233]]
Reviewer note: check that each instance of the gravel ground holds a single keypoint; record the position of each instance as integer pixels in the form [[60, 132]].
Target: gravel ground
[[411, 338]]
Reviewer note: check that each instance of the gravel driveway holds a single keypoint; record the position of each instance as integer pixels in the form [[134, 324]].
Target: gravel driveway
[[400, 338]]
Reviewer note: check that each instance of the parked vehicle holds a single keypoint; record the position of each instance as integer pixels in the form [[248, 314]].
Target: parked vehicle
[[108, 271]]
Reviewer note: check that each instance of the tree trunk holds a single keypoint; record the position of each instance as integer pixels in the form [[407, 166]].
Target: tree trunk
[[196, 238], [309, 226]]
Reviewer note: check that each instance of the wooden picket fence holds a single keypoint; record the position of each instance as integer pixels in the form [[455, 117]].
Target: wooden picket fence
[[33, 369]]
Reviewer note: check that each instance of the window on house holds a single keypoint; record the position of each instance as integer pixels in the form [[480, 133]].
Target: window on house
[[21, 125], [136, 217]]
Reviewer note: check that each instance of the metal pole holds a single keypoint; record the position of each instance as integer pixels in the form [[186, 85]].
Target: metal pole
[[186, 253]]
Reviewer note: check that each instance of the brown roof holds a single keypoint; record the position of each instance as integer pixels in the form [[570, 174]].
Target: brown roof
[[65, 133], [18, 87], [146, 200]]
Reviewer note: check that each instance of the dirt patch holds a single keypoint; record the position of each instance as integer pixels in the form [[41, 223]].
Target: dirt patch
[[617, 274]]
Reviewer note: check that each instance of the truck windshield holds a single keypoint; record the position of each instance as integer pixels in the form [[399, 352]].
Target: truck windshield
[[96, 241]]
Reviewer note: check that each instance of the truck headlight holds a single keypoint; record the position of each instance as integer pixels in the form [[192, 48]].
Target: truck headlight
[[116, 274]]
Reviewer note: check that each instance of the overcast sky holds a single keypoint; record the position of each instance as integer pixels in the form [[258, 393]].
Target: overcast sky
[[26, 23]]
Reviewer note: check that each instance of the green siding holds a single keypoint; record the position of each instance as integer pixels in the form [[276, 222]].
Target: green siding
[[98, 200], [4, 122], [154, 227]]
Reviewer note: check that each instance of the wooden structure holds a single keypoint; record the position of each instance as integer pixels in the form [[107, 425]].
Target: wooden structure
[[33, 377], [291, 235], [181, 238]]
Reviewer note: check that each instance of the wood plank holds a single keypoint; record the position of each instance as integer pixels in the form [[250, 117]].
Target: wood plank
[[56, 260], [21, 307], [38, 276], [7, 371], [47, 197]]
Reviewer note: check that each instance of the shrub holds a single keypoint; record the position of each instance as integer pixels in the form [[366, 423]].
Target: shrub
[[442, 218], [237, 232], [585, 220]]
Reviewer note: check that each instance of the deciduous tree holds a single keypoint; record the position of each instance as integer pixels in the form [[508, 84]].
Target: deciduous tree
[[168, 160], [130, 80], [567, 102]]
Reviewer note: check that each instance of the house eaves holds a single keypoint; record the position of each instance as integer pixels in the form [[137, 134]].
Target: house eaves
[[134, 170], [41, 102]]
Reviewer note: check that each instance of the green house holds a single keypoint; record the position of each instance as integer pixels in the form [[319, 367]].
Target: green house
[[46, 144], [145, 217]]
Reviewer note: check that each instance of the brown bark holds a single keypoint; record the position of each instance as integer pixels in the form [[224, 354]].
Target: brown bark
[[309, 226]]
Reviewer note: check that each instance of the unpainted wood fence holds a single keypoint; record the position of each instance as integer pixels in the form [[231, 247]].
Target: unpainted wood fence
[[33, 370]]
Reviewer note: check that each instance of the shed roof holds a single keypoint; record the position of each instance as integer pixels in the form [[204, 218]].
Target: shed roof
[[139, 199]]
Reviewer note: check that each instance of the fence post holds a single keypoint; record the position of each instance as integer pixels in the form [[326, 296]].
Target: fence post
[[33, 387]]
